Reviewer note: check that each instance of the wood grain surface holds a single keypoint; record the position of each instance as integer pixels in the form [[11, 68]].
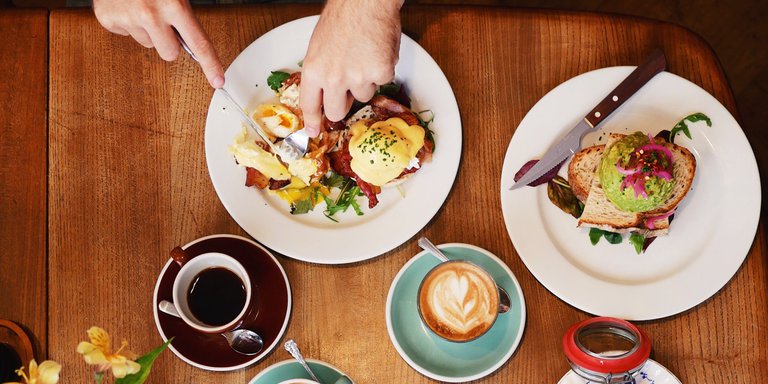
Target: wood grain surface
[[23, 167], [128, 182]]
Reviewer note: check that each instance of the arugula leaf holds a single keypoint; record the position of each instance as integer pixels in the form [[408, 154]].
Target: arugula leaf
[[682, 126], [349, 192], [146, 362], [276, 79], [594, 235], [428, 134], [637, 241]]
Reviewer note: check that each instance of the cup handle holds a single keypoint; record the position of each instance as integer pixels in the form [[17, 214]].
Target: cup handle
[[179, 256]]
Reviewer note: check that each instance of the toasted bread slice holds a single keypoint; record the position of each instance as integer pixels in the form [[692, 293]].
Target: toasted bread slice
[[599, 212], [582, 170]]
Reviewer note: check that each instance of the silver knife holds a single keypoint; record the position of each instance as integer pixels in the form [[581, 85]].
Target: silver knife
[[571, 143]]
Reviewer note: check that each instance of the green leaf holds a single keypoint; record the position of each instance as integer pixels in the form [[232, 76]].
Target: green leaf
[[594, 235], [682, 126], [612, 237], [390, 90], [637, 241], [98, 377], [146, 362], [301, 63], [302, 206], [561, 194], [276, 79], [333, 180]]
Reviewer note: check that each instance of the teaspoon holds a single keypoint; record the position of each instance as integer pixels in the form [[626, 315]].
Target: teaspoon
[[242, 341], [425, 244], [293, 349]]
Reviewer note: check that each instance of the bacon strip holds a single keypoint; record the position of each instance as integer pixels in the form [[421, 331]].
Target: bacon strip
[[340, 162], [254, 178], [384, 108]]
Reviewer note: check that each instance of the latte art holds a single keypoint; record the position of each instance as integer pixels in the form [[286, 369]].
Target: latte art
[[458, 300]]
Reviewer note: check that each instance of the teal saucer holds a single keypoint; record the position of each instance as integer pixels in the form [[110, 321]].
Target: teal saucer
[[291, 369], [440, 359]]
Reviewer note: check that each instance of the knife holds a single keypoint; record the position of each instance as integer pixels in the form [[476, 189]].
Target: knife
[[571, 143]]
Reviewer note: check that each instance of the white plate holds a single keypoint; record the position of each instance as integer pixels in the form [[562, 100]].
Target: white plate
[[313, 237], [651, 373], [713, 227]]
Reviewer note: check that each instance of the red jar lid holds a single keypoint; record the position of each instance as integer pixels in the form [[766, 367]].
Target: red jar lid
[[606, 345]]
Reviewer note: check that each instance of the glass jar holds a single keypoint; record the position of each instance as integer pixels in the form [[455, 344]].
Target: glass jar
[[606, 350]]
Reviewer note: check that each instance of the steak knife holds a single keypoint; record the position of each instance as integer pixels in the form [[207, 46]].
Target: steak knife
[[571, 142]]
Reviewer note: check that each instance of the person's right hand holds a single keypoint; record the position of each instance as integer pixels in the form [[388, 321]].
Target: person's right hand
[[151, 23]]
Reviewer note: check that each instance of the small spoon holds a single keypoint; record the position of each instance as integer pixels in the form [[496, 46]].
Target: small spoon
[[242, 341], [293, 349], [425, 244]]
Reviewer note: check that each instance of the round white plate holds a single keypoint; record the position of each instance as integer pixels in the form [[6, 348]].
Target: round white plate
[[651, 373], [713, 228], [313, 237]]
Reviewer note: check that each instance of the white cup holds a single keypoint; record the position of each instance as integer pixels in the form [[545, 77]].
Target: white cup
[[191, 268]]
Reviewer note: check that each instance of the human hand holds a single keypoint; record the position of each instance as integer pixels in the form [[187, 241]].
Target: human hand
[[353, 49], [151, 24]]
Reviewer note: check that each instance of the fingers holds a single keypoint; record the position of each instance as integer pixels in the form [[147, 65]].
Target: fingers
[[193, 34], [336, 103], [151, 22], [310, 102], [165, 42], [141, 36], [364, 93]]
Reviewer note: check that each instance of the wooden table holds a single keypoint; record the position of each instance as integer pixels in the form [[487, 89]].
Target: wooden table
[[127, 182]]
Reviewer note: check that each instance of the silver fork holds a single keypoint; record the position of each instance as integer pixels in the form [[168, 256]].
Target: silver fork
[[289, 149]]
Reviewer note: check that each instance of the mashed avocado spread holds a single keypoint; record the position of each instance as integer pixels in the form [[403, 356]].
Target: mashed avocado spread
[[654, 189]]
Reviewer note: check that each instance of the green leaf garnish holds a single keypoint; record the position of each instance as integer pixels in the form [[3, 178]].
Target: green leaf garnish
[[146, 362], [682, 126], [637, 241], [333, 180], [611, 237], [347, 198], [594, 235], [302, 206], [390, 90], [561, 194], [276, 79]]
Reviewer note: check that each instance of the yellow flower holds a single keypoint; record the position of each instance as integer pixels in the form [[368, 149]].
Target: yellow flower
[[99, 352], [46, 373]]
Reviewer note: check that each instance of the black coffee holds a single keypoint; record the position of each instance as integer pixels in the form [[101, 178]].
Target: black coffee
[[216, 296], [9, 363]]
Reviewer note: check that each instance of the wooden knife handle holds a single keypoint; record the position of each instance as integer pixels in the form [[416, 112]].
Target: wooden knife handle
[[654, 64]]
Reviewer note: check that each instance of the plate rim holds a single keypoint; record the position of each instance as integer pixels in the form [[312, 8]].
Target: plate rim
[[293, 361], [452, 163], [496, 366], [256, 358], [650, 361], [557, 289]]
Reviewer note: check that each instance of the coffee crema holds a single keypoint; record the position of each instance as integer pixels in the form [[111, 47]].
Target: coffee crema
[[458, 300]]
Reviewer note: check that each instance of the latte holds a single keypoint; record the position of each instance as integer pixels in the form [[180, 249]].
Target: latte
[[458, 300]]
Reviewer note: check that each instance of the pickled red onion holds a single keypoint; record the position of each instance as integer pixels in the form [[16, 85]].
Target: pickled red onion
[[649, 222]]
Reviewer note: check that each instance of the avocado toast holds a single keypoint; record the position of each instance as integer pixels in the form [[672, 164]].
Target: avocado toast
[[599, 180]]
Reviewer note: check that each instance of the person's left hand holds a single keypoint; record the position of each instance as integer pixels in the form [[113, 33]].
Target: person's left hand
[[353, 50]]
